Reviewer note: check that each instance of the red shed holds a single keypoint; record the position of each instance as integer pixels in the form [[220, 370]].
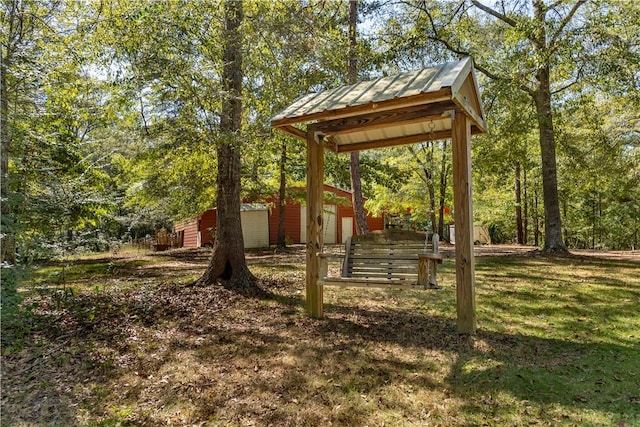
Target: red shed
[[200, 231], [197, 232], [339, 222], [338, 219]]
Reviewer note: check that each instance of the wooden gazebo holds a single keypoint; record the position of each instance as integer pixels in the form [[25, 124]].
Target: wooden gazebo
[[430, 104]]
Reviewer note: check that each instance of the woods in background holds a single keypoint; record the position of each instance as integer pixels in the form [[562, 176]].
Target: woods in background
[[113, 115]]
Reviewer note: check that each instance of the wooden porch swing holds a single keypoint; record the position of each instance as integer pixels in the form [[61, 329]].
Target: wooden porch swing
[[389, 259], [435, 103]]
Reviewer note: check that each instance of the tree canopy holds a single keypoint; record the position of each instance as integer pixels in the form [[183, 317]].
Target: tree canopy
[[112, 113]]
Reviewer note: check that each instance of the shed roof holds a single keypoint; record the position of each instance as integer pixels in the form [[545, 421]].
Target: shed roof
[[401, 109]]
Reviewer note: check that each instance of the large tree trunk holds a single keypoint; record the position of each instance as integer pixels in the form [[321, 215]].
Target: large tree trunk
[[282, 194], [228, 263], [553, 241], [356, 180]]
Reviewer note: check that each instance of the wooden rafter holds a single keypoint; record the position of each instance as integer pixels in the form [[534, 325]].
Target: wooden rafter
[[383, 119], [393, 142]]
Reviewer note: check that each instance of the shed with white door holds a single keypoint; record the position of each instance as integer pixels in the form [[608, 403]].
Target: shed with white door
[[201, 230], [338, 217]]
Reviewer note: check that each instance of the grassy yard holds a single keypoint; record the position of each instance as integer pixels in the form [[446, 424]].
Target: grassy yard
[[129, 340]]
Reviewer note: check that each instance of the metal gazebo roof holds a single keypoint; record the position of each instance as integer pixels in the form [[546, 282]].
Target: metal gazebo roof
[[402, 109]]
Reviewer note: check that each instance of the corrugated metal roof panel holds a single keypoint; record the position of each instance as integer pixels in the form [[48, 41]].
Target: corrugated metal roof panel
[[393, 110], [382, 89]]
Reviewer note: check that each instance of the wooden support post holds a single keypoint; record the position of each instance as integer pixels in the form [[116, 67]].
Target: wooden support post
[[427, 270], [315, 189], [433, 274], [423, 270], [465, 263]]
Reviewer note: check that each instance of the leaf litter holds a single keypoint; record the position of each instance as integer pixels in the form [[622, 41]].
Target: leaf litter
[[167, 352]]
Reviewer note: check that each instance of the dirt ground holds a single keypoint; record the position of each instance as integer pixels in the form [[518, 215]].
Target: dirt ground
[[147, 347]]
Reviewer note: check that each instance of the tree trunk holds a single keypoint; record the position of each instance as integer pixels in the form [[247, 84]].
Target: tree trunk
[[593, 226], [564, 214], [444, 171], [518, 196], [228, 263], [525, 224], [553, 241], [599, 218], [352, 66], [356, 180], [356, 198], [282, 194], [7, 244], [431, 187], [536, 220]]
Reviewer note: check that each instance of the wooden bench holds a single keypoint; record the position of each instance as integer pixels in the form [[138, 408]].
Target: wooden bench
[[393, 258]]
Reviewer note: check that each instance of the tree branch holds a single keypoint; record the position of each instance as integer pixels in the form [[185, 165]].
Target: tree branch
[[437, 38], [564, 22], [554, 5], [576, 80], [461, 53], [495, 13]]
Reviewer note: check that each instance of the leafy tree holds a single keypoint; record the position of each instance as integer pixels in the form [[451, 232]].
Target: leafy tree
[[530, 42], [544, 50], [281, 67], [56, 186], [55, 178]]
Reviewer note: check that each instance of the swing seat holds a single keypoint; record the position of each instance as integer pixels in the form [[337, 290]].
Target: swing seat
[[389, 259]]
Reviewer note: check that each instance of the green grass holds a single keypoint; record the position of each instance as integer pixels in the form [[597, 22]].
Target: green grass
[[557, 344], [82, 274], [572, 331], [558, 340]]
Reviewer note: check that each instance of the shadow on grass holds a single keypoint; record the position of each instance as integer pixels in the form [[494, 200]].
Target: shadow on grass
[[599, 376], [263, 359], [331, 359], [199, 256]]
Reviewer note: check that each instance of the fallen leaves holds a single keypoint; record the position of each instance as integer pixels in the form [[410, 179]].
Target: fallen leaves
[[168, 352]]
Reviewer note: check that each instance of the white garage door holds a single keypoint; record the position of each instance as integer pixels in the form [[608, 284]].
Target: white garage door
[[255, 228], [347, 228]]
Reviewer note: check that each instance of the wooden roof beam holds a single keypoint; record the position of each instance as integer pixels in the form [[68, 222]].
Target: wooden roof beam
[[383, 119], [392, 142], [294, 131], [402, 140]]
